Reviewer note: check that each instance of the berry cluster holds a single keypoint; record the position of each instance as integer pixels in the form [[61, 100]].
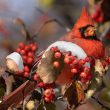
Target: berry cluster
[[98, 15], [106, 61], [77, 66], [27, 52], [49, 95]]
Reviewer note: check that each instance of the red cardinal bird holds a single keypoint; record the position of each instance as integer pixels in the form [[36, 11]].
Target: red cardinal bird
[[81, 41], [83, 34]]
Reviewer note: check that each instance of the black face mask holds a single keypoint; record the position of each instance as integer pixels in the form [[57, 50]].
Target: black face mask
[[82, 30]]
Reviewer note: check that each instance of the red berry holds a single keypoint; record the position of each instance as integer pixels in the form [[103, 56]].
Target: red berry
[[26, 74], [104, 64], [87, 59], [27, 48], [57, 55], [75, 62], [34, 47], [68, 53], [89, 76], [93, 15], [23, 52], [52, 49], [92, 61], [36, 77], [74, 70], [30, 60], [48, 86], [30, 54], [47, 100], [55, 49], [100, 19], [21, 45], [31, 45], [84, 80], [81, 62], [83, 75], [24, 57], [67, 60], [19, 72], [86, 69], [41, 84], [71, 58], [48, 92], [56, 64], [26, 69], [109, 60]]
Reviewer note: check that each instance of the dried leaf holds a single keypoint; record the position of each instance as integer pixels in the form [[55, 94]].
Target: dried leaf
[[74, 93], [46, 70]]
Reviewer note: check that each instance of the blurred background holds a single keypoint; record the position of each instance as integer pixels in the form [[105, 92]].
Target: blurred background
[[34, 13]]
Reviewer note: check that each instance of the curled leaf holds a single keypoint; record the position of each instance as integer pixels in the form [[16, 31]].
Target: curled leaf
[[74, 94]]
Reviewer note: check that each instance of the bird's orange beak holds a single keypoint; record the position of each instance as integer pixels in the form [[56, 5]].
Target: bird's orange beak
[[90, 31]]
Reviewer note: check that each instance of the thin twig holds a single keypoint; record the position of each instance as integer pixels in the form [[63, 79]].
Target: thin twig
[[49, 21], [54, 19], [22, 24]]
